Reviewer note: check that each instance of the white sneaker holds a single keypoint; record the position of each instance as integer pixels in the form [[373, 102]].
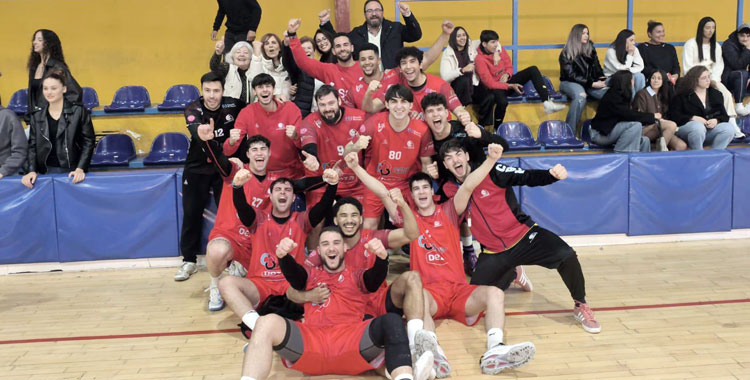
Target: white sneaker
[[215, 302], [737, 132], [522, 280], [236, 269], [550, 106], [424, 341], [662, 142], [422, 368], [186, 270], [501, 357], [742, 109]]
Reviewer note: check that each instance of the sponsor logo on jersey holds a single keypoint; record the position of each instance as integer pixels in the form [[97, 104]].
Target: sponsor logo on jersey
[[381, 126], [422, 241], [229, 118], [303, 130], [267, 261], [384, 168], [352, 132], [358, 87], [484, 193], [281, 126], [191, 118], [438, 224], [409, 145]]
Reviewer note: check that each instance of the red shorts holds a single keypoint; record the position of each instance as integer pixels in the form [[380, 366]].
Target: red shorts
[[332, 350], [376, 305], [374, 207], [451, 300], [241, 246], [268, 288]]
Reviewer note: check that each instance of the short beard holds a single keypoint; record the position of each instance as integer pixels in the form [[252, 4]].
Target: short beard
[[325, 265], [336, 117], [374, 23]]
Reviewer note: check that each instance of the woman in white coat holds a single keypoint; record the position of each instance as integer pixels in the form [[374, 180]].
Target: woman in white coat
[[703, 50], [457, 64], [267, 59], [623, 55]]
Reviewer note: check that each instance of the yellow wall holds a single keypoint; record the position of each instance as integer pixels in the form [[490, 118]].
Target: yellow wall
[[112, 43]]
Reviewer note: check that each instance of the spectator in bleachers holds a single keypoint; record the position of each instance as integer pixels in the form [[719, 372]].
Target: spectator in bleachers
[[703, 50], [323, 37], [47, 56], [200, 176], [61, 136], [623, 55], [581, 75], [243, 18], [658, 55], [234, 69], [655, 99], [616, 123], [387, 35], [306, 85], [497, 80], [457, 64], [267, 59], [698, 109], [13, 143], [736, 54]]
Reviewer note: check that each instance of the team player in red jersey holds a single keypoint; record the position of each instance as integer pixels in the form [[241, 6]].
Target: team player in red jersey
[[264, 278], [436, 255], [410, 74], [230, 239], [400, 146], [278, 122], [334, 339], [509, 237], [342, 75]]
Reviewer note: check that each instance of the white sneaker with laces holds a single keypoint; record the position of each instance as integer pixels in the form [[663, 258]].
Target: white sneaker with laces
[[186, 270], [215, 302], [424, 341], [550, 106], [236, 269], [522, 280], [737, 132], [502, 357], [742, 109], [422, 368]]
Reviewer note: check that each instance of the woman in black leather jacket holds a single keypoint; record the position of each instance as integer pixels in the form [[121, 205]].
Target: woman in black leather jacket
[[581, 75], [47, 56], [61, 137]]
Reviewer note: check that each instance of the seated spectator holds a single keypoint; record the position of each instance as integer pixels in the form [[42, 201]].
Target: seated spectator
[[616, 123], [699, 110], [658, 55], [13, 144], [457, 64], [655, 99], [623, 55], [267, 60], [703, 50], [581, 75], [736, 55], [243, 18], [387, 35], [306, 85], [61, 138], [497, 81], [46, 57], [234, 70]]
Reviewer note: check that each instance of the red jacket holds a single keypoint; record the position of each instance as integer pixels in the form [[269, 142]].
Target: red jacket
[[489, 73]]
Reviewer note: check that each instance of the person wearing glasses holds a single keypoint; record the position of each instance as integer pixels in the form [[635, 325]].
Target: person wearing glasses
[[388, 36]]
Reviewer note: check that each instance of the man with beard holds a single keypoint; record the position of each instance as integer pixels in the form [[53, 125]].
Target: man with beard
[[436, 256], [334, 339], [276, 120], [264, 278], [342, 75], [200, 176], [509, 237], [230, 239], [387, 35]]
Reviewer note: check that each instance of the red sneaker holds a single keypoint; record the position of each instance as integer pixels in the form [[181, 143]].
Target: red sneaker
[[522, 281], [583, 313]]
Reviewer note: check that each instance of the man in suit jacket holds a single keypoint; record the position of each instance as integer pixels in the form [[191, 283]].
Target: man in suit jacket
[[387, 35]]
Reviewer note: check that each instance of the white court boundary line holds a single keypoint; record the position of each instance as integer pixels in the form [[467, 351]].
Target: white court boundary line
[[173, 262]]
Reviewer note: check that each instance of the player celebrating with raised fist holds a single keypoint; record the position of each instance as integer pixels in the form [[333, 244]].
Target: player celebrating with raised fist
[[333, 338]]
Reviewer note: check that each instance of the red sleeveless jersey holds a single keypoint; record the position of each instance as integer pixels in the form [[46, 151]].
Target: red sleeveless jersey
[[267, 233], [433, 84], [437, 254], [257, 195], [347, 302]]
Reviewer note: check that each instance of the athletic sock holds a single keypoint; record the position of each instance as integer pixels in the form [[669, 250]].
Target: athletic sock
[[494, 337], [404, 376], [214, 282], [412, 326], [250, 318], [467, 241]]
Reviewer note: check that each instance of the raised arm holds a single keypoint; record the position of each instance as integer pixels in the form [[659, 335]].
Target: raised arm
[[370, 103], [434, 52], [294, 273], [373, 277], [461, 199], [377, 187], [311, 66], [319, 211], [410, 230], [411, 32], [205, 134], [244, 211]]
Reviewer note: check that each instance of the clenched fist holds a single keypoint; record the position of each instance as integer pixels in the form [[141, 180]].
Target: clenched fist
[[376, 246], [473, 131], [362, 142], [311, 163], [293, 26], [234, 136], [241, 178], [558, 171], [352, 160], [432, 170], [373, 86], [331, 176], [396, 196], [494, 151], [285, 247]]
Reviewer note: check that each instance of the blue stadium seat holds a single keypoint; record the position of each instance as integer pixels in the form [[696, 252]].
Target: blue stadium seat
[[744, 124], [518, 135], [179, 96], [168, 148], [113, 150], [129, 99], [90, 98], [19, 102], [586, 135], [557, 134], [530, 93]]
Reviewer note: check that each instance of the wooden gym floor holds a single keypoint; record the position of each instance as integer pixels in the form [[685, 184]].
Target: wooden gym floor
[[677, 310]]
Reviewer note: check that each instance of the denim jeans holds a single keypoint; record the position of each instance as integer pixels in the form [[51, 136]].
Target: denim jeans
[[627, 137], [573, 91], [696, 135]]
